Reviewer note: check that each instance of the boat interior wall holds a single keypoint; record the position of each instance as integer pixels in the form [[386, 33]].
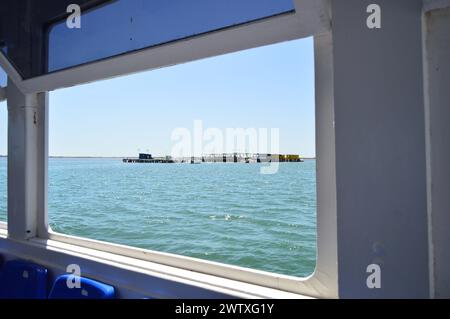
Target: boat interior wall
[[391, 115], [429, 5], [437, 97], [2, 94], [380, 150]]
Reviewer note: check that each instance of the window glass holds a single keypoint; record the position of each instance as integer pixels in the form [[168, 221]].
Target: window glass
[[3, 78], [43, 36], [127, 25]]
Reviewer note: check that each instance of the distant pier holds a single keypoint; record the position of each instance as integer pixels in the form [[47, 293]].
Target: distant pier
[[150, 161], [217, 158]]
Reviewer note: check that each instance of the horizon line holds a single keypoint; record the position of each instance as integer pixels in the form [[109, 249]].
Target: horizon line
[[121, 157]]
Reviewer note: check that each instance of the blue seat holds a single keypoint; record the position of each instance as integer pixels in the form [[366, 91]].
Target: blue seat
[[23, 280], [89, 289]]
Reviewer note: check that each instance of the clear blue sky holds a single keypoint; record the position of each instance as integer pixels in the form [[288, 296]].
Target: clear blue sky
[[268, 87]]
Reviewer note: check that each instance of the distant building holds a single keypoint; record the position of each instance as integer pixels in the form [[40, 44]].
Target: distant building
[[289, 158], [143, 156], [264, 158]]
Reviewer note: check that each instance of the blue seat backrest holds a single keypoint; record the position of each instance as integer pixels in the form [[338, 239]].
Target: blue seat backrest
[[23, 280], [89, 289]]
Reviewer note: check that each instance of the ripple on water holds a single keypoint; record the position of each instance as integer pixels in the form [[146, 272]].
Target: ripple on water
[[227, 213]]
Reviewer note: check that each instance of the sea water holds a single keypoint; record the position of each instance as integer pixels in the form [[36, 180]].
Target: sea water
[[225, 212]]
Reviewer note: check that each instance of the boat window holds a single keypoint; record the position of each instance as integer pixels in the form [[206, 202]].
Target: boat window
[[212, 159], [3, 78], [127, 25], [44, 36]]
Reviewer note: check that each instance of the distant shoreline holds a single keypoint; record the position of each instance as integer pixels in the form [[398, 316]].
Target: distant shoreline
[[80, 157]]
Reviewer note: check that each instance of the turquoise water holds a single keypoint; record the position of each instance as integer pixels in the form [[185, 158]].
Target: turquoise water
[[221, 212]]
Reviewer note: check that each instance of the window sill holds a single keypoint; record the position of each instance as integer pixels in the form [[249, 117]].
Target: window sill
[[230, 280], [216, 284]]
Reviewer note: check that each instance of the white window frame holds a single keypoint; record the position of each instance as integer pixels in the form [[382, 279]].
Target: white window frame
[[310, 19], [3, 225]]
